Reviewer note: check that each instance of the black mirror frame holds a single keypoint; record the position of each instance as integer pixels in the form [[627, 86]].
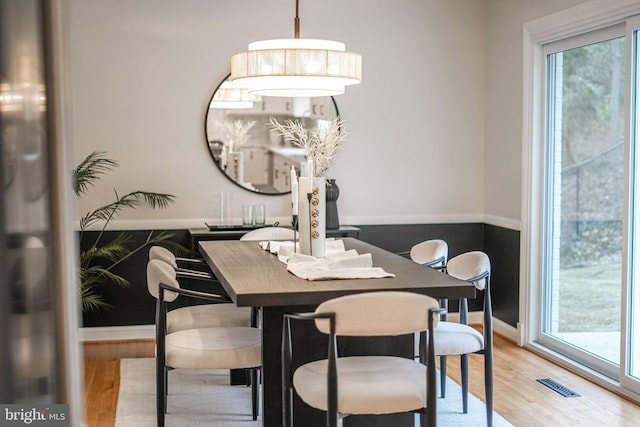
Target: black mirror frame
[[206, 119]]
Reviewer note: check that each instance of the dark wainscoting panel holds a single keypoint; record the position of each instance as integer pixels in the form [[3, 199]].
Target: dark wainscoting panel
[[133, 305], [398, 238], [501, 244], [503, 247]]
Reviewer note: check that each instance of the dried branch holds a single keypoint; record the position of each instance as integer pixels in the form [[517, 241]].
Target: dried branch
[[237, 132], [320, 144]]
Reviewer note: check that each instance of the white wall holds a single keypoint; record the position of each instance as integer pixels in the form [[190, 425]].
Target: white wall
[[439, 78], [503, 138], [144, 70]]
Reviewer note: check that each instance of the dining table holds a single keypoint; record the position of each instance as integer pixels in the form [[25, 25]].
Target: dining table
[[254, 277]]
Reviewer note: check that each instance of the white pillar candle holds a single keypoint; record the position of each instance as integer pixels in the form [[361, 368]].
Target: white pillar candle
[[294, 202], [294, 197], [294, 176], [294, 191], [309, 176]]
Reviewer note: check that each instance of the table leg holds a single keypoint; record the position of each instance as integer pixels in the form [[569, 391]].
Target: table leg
[[301, 332], [271, 369], [238, 377]]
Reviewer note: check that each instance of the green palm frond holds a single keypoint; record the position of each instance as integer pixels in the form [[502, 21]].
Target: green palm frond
[[92, 301], [97, 262], [132, 200], [90, 169], [97, 275], [161, 239], [155, 200], [90, 280], [112, 251]]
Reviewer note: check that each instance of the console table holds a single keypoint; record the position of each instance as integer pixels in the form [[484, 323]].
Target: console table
[[204, 234]]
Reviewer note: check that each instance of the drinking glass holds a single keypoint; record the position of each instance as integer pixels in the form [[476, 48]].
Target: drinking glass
[[247, 215], [259, 214]]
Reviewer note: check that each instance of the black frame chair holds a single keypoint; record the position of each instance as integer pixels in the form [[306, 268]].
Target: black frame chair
[[427, 358], [487, 336], [162, 369]]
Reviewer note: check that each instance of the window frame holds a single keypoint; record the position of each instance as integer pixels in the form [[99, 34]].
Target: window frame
[[560, 29]]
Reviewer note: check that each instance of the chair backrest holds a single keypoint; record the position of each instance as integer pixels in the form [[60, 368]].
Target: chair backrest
[[164, 254], [430, 252], [378, 313], [471, 265], [158, 272], [269, 233]]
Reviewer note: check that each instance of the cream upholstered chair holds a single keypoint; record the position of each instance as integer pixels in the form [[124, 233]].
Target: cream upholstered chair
[[198, 265], [434, 253], [203, 315], [197, 348], [355, 385], [453, 338], [431, 253], [269, 233]]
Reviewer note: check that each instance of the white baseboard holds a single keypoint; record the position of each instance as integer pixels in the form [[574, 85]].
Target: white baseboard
[[499, 327], [117, 333]]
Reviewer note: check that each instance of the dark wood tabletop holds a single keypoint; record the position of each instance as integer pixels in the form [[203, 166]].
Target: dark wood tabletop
[[254, 277]]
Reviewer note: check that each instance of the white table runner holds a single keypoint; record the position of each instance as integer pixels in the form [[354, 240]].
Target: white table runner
[[337, 264]]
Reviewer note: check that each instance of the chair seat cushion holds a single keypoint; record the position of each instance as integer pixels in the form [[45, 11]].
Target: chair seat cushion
[[366, 384], [214, 348], [456, 338], [208, 316]]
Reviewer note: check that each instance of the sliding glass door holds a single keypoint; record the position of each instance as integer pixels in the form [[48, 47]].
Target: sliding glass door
[[585, 199], [589, 304], [630, 358]]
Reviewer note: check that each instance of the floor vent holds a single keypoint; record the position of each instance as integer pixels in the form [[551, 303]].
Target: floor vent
[[557, 387]]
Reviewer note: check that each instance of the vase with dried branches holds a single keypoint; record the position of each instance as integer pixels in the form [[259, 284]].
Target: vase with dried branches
[[321, 146], [236, 135]]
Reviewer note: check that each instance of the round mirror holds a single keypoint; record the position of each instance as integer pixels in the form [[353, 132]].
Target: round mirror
[[242, 144]]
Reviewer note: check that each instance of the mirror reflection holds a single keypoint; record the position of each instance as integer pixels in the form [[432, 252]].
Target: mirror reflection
[[244, 147]]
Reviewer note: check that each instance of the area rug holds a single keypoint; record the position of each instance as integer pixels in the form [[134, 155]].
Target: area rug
[[204, 398]]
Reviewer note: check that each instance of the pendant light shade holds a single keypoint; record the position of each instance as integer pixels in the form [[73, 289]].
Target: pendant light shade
[[296, 67], [232, 96]]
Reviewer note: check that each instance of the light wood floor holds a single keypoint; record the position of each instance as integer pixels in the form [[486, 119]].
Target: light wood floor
[[517, 396], [102, 377]]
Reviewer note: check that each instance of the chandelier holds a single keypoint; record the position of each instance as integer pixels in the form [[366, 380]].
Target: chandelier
[[296, 67]]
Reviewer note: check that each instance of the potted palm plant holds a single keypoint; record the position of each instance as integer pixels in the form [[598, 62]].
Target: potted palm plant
[[101, 256]]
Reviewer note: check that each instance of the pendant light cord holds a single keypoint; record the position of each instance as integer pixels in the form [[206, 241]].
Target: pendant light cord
[[296, 23]]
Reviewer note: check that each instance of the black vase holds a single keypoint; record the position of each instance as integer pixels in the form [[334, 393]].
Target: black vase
[[332, 193]]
